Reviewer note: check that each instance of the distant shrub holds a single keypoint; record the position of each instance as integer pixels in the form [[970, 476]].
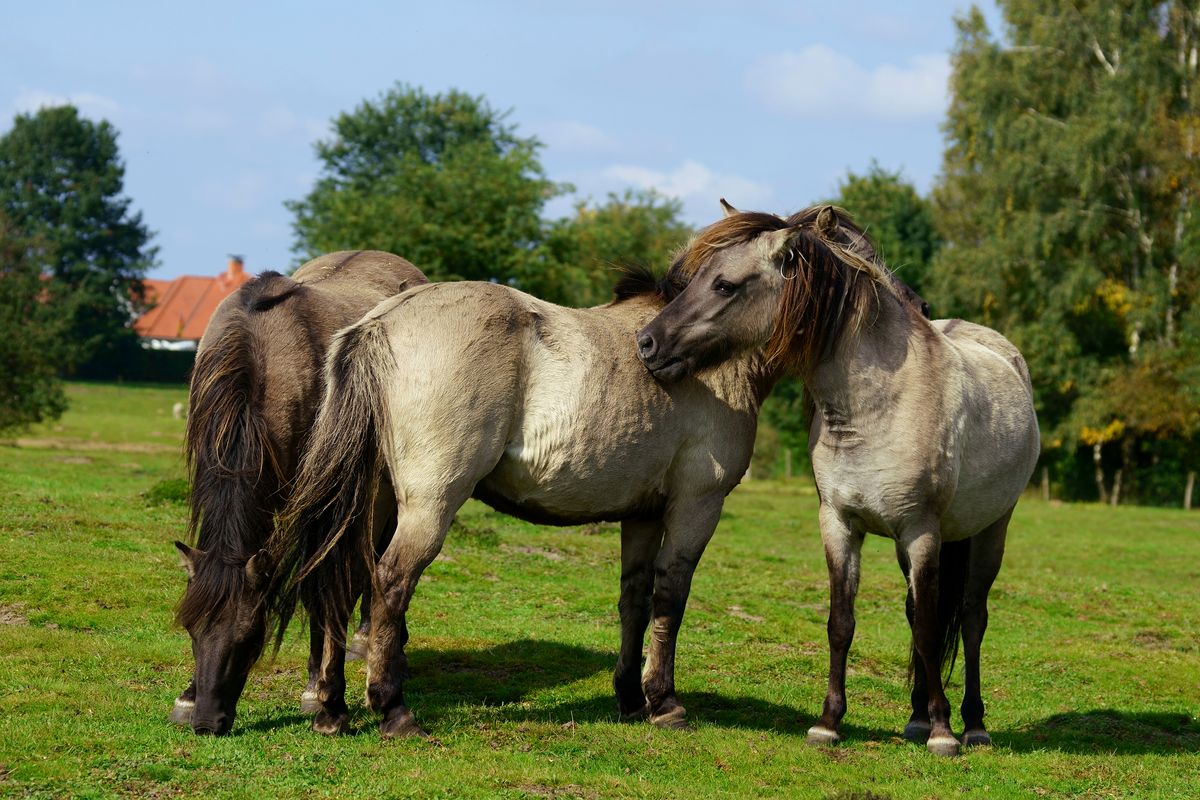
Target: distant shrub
[[172, 490]]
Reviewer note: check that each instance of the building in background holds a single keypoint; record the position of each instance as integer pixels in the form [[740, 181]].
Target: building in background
[[182, 307]]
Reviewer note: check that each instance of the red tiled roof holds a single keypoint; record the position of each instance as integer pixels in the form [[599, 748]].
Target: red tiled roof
[[183, 307]]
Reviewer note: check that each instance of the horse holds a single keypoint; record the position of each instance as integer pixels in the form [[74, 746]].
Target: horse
[[923, 431], [255, 389], [471, 389]]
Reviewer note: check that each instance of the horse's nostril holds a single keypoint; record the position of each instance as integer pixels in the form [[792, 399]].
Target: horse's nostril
[[646, 345]]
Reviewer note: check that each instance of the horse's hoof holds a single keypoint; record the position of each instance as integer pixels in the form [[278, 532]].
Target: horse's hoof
[[917, 731], [637, 715], [181, 712], [942, 745], [976, 738], [674, 718], [821, 736], [309, 702], [330, 724], [401, 722], [357, 651]]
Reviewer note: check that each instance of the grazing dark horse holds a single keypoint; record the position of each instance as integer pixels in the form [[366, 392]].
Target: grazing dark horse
[[923, 432], [255, 389], [476, 389]]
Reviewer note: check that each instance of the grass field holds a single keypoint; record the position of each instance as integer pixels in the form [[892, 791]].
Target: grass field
[[1091, 664]]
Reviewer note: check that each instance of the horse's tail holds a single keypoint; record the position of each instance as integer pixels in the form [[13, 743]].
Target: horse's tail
[[324, 532], [952, 586], [232, 459]]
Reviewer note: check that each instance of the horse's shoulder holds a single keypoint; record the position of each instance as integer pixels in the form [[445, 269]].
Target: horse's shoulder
[[979, 344]]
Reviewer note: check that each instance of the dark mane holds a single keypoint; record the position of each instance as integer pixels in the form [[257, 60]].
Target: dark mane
[[830, 272], [232, 459], [638, 281]]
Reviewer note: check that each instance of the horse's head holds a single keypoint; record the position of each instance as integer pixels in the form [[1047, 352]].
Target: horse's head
[[731, 298], [225, 612], [756, 280]]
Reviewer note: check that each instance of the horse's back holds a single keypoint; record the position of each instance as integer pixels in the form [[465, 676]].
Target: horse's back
[[998, 441], [282, 327]]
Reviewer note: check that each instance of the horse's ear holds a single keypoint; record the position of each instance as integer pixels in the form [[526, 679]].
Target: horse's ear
[[258, 569], [188, 558], [776, 244], [826, 222], [728, 209]]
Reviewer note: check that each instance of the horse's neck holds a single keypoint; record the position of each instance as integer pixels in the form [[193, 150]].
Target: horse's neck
[[743, 382], [860, 379]]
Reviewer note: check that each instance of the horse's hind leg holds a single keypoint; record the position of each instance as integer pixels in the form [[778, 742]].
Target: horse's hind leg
[[843, 547], [640, 543], [420, 531], [917, 729], [987, 551]]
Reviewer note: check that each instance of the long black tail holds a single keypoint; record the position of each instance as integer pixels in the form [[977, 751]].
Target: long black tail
[[323, 540], [231, 455], [954, 559]]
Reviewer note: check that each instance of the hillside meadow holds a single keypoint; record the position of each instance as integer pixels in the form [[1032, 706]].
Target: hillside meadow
[[1091, 663]]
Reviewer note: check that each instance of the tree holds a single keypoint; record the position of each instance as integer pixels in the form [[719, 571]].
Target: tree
[[1066, 204], [897, 219], [61, 183], [440, 179], [584, 251], [31, 341]]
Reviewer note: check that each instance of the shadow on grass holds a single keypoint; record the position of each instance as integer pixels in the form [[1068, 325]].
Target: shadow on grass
[[502, 676], [1105, 730]]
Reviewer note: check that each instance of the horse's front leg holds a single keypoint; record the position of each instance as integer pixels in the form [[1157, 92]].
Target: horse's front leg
[[843, 547], [309, 702], [640, 543], [689, 526], [923, 548], [357, 651], [181, 712]]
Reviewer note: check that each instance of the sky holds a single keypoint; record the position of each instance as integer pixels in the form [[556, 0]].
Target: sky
[[218, 104]]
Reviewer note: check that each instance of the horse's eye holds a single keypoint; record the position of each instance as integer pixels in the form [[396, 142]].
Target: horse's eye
[[724, 287]]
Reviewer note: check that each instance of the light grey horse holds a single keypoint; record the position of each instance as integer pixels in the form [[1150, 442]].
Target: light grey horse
[[923, 431], [460, 389]]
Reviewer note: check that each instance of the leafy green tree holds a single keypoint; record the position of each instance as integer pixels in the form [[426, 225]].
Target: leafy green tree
[[440, 179], [897, 219], [1066, 201], [31, 341], [584, 251], [61, 183]]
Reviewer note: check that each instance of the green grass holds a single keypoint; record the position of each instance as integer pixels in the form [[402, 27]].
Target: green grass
[[1091, 665]]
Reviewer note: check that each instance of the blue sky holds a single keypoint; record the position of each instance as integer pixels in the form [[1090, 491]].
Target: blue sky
[[218, 104]]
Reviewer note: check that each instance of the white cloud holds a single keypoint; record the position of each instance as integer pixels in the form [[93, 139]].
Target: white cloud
[[575, 137], [280, 122], [696, 185], [818, 80], [92, 105]]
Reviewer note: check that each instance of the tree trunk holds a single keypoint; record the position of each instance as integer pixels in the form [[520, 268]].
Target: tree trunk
[[1115, 498], [787, 463], [1187, 492], [1046, 484], [1099, 472]]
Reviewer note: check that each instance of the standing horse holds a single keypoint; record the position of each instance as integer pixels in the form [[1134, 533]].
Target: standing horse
[[923, 432], [255, 389], [475, 389]]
